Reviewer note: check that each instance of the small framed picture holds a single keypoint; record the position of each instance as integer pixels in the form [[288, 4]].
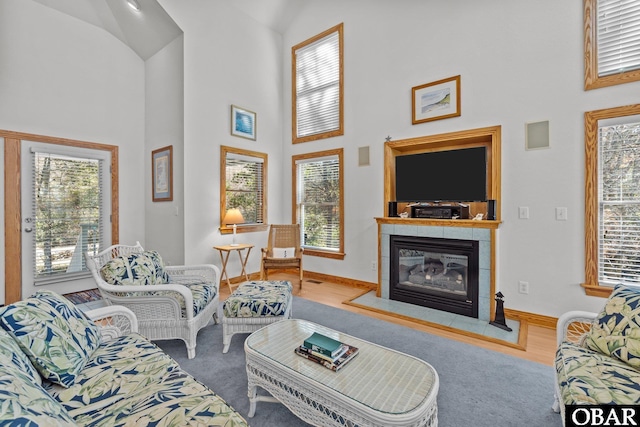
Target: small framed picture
[[243, 123], [162, 174], [436, 100]]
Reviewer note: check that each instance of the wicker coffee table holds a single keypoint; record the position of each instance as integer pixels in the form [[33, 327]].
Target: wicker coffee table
[[380, 387]]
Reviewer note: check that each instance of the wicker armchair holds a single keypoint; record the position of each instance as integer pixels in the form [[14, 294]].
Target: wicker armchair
[[282, 239], [164, 310]]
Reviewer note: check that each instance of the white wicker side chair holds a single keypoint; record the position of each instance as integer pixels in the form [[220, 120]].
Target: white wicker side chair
[[164, 310]]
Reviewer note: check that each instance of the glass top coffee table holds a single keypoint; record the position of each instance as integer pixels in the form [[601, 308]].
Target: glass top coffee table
[[379, 387]]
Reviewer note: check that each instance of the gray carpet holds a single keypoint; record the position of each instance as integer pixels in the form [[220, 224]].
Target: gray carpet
[[478, 387]]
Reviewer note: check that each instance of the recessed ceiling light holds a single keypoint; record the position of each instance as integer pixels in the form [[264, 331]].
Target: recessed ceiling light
[[134, 4]]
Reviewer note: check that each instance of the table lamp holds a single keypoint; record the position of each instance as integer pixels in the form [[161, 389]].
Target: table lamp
[[234, 217]]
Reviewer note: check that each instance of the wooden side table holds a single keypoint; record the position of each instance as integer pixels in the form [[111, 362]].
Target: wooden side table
[[225, 251]]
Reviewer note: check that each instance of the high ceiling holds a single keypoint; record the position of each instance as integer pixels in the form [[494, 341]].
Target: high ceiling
[[150, 29]]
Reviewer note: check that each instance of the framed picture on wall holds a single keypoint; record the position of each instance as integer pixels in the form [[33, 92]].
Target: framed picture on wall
[[436, 100], [162, 174], [243, 123]]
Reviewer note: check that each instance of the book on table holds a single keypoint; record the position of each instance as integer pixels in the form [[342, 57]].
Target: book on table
[[341, 355], [323, 344]]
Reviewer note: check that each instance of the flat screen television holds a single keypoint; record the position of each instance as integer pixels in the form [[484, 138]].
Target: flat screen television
[[442, 176]]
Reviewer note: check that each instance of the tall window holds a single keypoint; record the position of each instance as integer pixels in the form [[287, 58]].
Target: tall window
[[612, 42], [612, 190], [318, 86], [70, 212], [243, 186], [319, 202]]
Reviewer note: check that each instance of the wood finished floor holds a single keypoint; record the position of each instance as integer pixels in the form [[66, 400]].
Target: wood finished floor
[[541, 342]]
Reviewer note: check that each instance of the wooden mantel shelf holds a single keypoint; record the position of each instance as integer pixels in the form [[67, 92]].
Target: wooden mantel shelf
[[440, 222]]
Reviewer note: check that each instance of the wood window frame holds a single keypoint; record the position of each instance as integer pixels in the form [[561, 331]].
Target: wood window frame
[[294, 114], [226, 229], [12, 201], [340, 254], [591, 78], [591, 283]]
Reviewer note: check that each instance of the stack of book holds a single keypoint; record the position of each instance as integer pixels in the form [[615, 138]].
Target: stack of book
[[326, 351]]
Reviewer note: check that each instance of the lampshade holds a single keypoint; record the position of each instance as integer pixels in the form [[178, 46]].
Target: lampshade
[[233, 216]]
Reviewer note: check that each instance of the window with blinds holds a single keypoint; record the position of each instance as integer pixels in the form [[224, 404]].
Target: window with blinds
[[68, 214], [319, 201], [318, 89], [612, 42], [619, 200], [618, 36], [244, 186]]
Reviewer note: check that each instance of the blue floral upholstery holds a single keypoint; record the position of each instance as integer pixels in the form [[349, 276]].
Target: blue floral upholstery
[[616, 330], [603, 368], [11, 354], [259, 299], [145, 268], [587, 377], [24, 402], [54, 333], [127, 381]]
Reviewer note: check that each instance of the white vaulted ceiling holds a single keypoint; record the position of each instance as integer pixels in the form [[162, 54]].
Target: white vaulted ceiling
[[150, 29]]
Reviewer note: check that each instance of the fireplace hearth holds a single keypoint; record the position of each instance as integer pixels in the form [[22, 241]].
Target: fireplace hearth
[[438, 273]]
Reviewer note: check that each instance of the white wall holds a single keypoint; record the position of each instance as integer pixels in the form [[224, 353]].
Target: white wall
[[64, 78], [520, 62], [229, 58], [164, 108]]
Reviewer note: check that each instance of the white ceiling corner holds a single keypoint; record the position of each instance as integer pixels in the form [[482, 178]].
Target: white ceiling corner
[[150, 29]]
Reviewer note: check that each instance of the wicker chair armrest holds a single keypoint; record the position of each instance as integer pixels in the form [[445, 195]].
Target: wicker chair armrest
[[573, 325], [152, 290], [205, 273], [114, 321]]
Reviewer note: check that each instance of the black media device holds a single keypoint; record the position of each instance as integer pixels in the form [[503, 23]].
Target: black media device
[[440, 212], [393, 209], [445, 176], [491, 210]]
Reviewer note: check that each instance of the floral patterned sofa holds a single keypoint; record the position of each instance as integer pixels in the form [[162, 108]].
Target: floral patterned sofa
[[598, 355], [62, 367]]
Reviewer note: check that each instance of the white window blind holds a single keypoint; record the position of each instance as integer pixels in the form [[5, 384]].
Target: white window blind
[[318, 100], [619, 201], [618, 36], [318, 202], [68, 212], [244, 186]]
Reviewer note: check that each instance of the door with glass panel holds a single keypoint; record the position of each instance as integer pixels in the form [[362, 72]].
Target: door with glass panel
[[66, 206]]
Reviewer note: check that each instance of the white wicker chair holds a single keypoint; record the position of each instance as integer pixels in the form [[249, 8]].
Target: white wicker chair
[[161, 317]]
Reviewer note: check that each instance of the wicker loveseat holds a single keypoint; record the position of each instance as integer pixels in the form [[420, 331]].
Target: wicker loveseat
[[62, 367], [598, 355], [170, 302]]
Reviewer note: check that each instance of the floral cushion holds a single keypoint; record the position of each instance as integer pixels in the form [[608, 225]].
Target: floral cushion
[[202, 293], [616, 330], [23, 402], [588, 377], [258, 299], [144, 268], [10, 351], [130, 381], [54, 333]]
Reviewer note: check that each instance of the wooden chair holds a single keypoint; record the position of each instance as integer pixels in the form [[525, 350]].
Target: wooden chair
[[283, 250]]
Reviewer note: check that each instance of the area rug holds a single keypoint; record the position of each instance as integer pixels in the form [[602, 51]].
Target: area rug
[[478, 387], [84, 296]]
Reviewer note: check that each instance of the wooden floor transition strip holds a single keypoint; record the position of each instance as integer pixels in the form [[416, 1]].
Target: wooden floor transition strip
[[522, 332]]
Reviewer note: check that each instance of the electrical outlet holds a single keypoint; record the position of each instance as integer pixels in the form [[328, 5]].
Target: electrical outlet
[[523, 287], [374, 266]]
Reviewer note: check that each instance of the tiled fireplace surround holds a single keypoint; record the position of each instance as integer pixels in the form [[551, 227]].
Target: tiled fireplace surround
[[482, 235]]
